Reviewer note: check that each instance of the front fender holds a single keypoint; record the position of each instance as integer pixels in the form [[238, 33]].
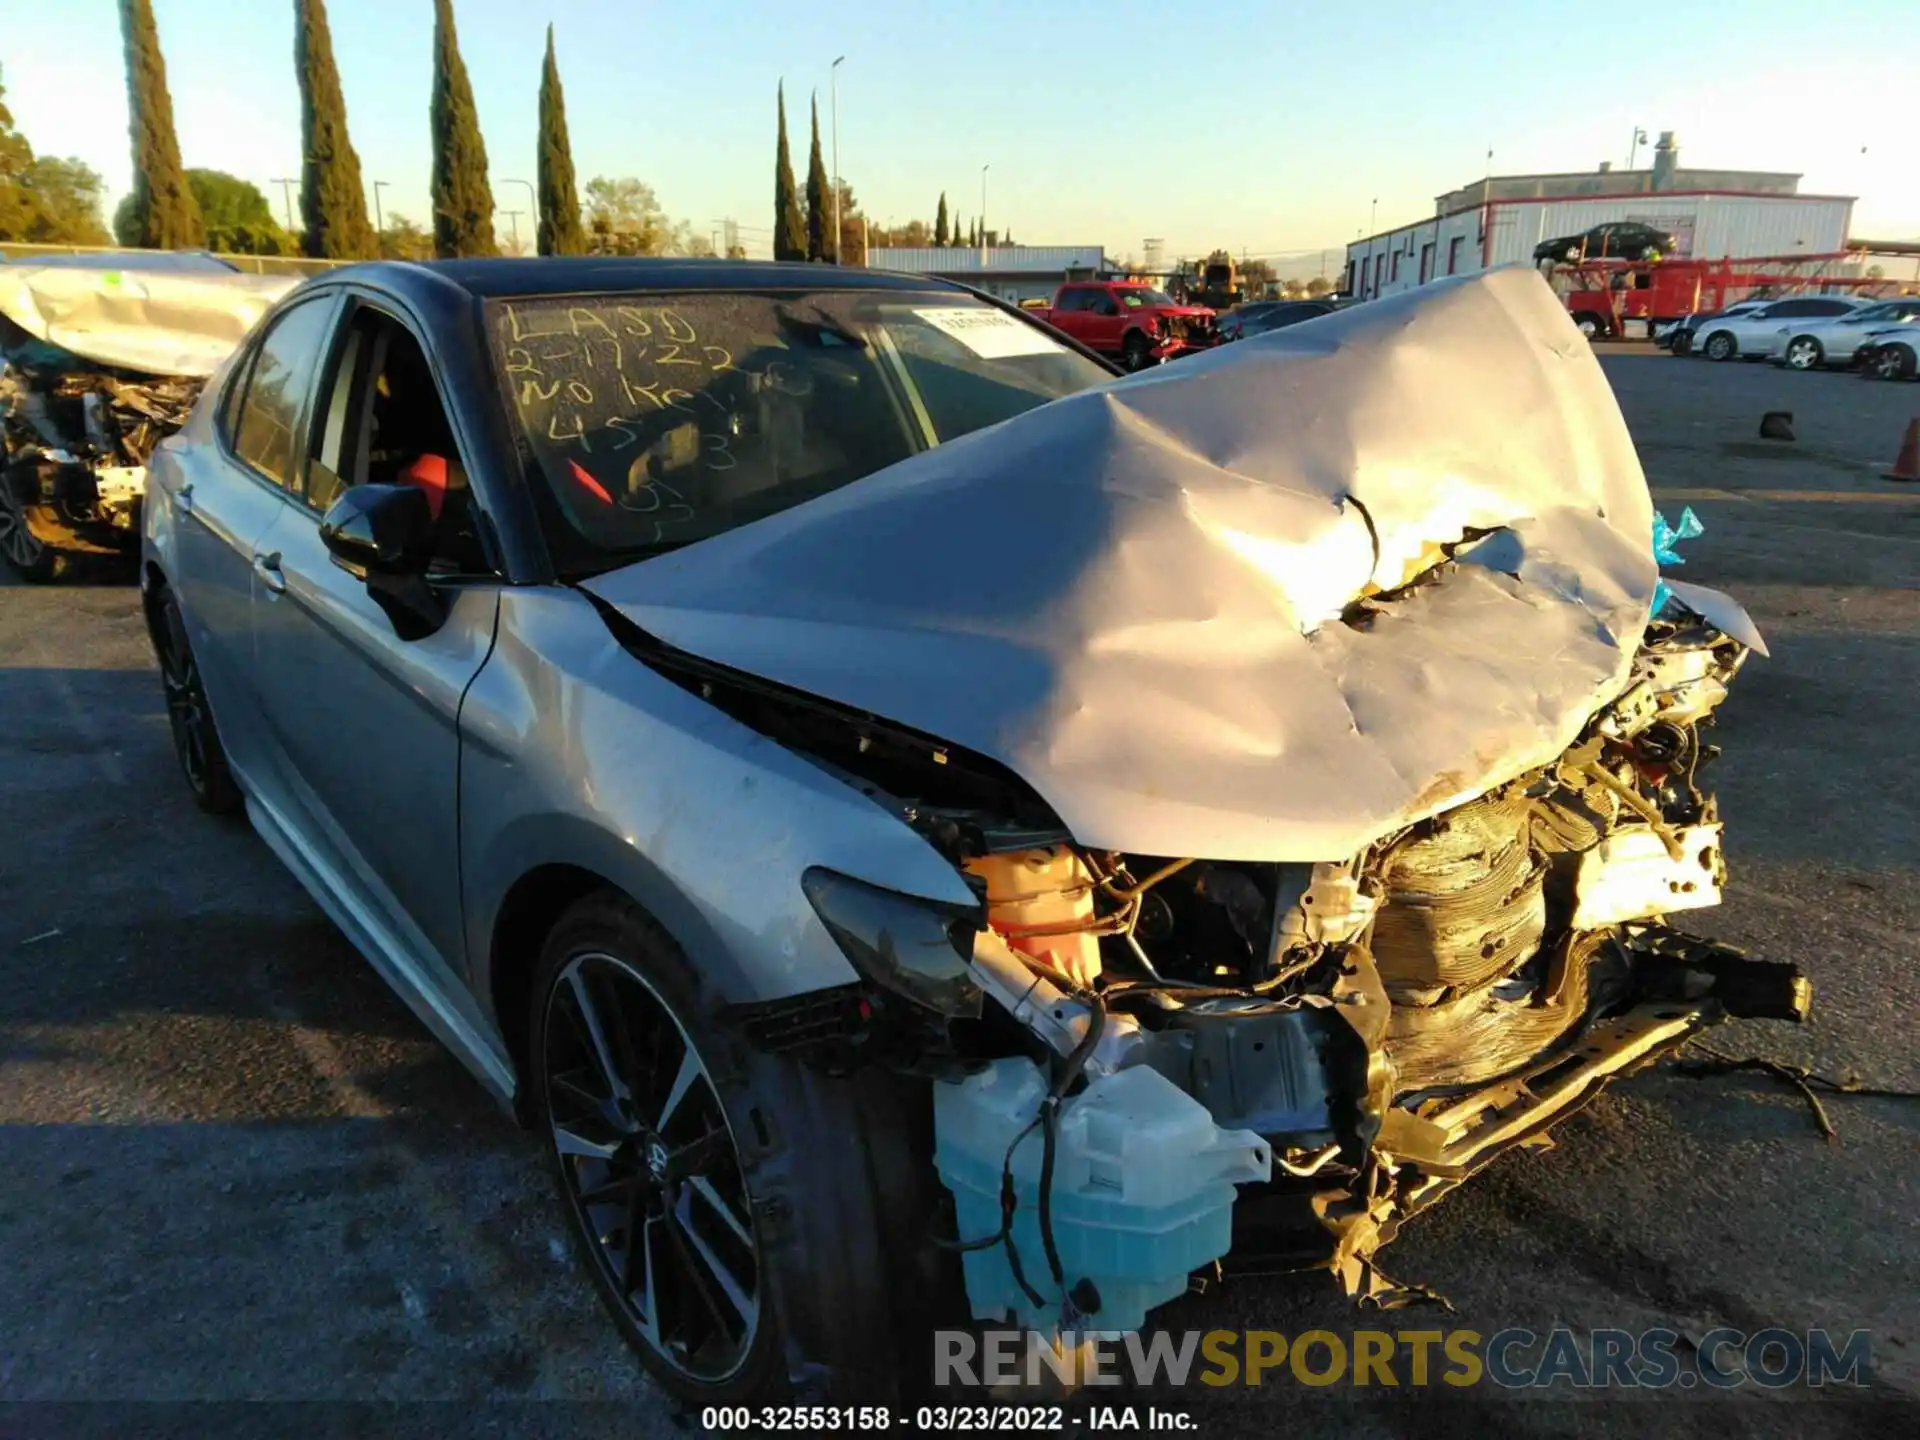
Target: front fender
[[574, 752]]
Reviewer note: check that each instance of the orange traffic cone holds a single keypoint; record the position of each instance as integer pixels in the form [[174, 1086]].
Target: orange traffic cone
[[1906, 465]]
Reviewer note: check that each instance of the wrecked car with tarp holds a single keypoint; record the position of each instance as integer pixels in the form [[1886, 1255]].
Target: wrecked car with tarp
[[931, 830], [98, 364]]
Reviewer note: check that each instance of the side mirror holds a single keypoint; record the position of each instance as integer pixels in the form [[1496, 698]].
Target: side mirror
[[383, 535], [380, 530]]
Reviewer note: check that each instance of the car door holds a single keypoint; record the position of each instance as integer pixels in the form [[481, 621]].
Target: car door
[[1105, 320], [363, 725], [1070, 312], [229, 497]]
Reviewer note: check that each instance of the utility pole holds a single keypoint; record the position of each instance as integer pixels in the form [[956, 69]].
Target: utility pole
[[833, 90], [983, 215], [513, 220], [379, 222], [286, 193]]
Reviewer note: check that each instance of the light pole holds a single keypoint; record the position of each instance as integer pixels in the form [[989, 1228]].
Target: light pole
[[833, 92], [533, 202], [983, 215], [513, 221], [379, 220], [1633, 150], [286, 194]]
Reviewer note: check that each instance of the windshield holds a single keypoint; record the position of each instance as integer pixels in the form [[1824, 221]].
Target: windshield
[[1141, 297], [658, 420]]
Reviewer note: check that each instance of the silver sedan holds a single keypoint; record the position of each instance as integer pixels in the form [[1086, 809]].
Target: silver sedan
[[923, 826]]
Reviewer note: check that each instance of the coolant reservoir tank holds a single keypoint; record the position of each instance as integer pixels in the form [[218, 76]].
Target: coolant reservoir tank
[[1041, 903]]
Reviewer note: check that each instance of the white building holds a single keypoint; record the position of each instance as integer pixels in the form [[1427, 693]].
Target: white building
[[1012, 272], [1497, 221]]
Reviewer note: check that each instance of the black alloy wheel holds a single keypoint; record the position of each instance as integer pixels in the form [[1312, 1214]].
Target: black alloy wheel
[[1137, 353], [651, 1173], [196, 742], [32, 557]]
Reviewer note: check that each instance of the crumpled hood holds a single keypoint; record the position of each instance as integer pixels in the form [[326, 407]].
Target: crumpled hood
[[156, 322], [1131, 597]]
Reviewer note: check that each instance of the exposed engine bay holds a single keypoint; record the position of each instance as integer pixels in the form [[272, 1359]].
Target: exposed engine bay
[[97, 367], [1321, 784], [75, 445]]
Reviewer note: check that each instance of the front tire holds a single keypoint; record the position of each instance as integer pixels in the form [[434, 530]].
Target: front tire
[[1721, 346], [1136, 353], [31, 557], [1893, 362], [1805, 353], [737, 1210]]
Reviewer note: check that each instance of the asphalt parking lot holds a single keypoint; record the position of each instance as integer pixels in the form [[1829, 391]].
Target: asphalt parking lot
[[234, 1168]]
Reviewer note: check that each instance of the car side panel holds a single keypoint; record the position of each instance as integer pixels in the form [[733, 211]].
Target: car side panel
[[202, 521], [574, 752]]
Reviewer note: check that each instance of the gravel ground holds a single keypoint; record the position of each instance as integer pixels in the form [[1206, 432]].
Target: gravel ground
[[234, 1169]]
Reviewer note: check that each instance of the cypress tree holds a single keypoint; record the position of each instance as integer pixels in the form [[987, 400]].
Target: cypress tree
[[333, 202], [164, 213], [818, 201], [462, 199], [789, 230], [940, 236], [560, 232]]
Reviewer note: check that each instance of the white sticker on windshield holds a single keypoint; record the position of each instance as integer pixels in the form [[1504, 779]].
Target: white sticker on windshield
[[990, 334]]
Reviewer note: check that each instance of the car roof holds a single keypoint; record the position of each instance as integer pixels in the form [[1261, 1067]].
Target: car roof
[[610, 274]]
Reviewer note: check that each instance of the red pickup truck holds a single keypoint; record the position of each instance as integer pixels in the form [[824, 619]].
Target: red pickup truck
[[1128, 321]]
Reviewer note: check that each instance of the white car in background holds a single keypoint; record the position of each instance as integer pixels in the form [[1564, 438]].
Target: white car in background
[[1891, 354], [1809, 344], [1750, 336]]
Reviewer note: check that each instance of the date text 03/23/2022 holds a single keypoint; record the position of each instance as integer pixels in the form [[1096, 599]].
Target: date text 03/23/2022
[[974, 1419]]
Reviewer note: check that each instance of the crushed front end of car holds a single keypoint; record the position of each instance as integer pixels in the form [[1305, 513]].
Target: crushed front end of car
[[97, 367], [1328, 761]]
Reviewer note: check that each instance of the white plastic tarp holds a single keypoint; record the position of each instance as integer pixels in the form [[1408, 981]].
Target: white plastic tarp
[[159, 323], [1132, 596]]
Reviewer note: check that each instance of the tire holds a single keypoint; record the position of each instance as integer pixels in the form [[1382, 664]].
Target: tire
[[1804, 353], [1893, 362], [1721, 346], [1136, 353], [31, 558], [1682, 343], [806, 1202], [1589, 326], [196, 740]]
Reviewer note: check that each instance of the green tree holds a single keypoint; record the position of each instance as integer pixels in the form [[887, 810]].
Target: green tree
[[789, 230], [17, 208], [163, 210], [940, 235], [238, 218], [560, 232], [333, 201], [49, 201], [462, 198], [402, 239], [817, 200], [625, 217]]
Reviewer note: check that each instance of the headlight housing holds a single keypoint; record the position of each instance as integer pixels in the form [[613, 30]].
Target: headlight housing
[[916, 948]]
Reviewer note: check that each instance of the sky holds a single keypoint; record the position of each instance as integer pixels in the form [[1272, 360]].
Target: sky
[[1270, 129]]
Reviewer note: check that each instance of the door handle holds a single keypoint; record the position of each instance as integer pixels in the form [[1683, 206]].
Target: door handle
[[266, 569]]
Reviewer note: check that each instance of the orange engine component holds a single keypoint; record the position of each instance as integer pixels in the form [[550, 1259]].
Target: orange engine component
[[1041, 903]]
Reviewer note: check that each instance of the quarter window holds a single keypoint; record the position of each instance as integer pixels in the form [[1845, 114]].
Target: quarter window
[[277, 390]]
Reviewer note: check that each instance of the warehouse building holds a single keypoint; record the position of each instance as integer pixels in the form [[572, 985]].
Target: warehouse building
[[1498, 220], [1012, 272]]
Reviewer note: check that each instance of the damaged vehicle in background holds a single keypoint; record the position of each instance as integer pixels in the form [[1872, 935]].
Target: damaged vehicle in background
[[101, 357], [924, 828]]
